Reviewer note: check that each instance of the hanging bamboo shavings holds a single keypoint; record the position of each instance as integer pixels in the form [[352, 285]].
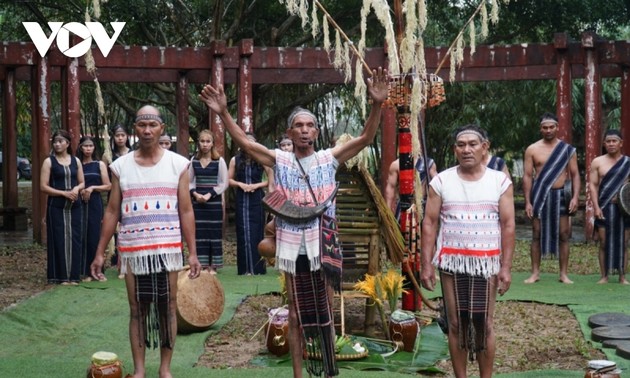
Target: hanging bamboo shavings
[[484, 20], [90, 67], [420, 65], [418, 94], [360, 89], [96, 5], [422, 15], [314, 23], [453, 65], [291, 5], [408, 43], [338, 60], [326, 30], [383, 14], [494, 12], [303, 12], [472, 35], [460, 51], [348, 63]]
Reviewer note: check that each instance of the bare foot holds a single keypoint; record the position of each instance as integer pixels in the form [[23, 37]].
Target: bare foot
[[532, 279], [624, 281], [603, 280], [565, 280]]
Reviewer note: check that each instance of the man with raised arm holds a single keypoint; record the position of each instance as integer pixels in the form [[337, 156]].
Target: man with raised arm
[[307, 178]]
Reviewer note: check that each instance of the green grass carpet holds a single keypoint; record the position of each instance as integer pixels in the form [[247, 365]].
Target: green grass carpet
[[55, 333]]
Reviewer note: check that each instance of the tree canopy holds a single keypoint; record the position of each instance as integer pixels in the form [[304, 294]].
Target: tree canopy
[[508, 110]]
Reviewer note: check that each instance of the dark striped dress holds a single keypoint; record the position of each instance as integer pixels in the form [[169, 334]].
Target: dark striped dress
[[63, 225], [250, 218], [209, 215], [92, 216]]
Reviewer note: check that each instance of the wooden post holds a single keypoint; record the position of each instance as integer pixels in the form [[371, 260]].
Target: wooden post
[[71, 101], [40, 79], [625, 108], [183, 116], [563, 88], [9, 150], [245, 100], [216, 79], [592, 118]]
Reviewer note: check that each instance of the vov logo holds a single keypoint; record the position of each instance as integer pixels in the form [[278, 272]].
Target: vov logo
[[61, 31]]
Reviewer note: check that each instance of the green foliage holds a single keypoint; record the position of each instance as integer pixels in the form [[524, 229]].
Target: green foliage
[[509, 110]]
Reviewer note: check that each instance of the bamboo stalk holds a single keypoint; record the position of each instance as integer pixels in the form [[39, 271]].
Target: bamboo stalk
[[343, 34], [461, 32]]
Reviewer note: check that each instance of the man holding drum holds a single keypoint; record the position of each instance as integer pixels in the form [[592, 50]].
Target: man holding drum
[[307, 178], [548, 163], [608, 174]]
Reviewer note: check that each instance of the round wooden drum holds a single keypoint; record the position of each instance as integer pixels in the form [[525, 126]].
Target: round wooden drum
[[199, 302]]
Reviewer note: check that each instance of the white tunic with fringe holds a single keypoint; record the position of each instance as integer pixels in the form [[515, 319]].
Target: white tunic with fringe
[[469, 240], [149, 238]]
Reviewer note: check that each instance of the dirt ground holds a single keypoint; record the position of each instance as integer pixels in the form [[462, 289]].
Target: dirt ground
[[529, 335]]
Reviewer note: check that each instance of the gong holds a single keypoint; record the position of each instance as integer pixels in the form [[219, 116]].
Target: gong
[[609, 319], [607, 333]]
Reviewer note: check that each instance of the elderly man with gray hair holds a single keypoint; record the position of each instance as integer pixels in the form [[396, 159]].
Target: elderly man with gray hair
[[306, 178]]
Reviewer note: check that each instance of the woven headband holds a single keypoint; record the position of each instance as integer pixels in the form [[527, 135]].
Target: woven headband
[[147, 117], [302, 112], [549, 120], [612, 136], [85, 141], [468, 131], [61, 136]]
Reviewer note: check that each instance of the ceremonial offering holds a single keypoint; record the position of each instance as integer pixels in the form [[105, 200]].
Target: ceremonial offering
[[105, 365]]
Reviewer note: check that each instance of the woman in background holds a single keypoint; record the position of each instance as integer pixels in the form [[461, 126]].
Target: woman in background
[[62, 180], [96, 182], [120, 145], [165, 141], [246, 175], [208, 181]]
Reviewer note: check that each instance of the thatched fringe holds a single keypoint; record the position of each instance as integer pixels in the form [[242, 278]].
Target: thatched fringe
[[347, 69], [494, 12], [360, 88], [472, 36], [338, 60], [314, 23], [484, 20], [326, 29]]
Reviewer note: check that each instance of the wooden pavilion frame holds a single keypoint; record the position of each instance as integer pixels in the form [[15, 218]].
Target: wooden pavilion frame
[[246, 65]]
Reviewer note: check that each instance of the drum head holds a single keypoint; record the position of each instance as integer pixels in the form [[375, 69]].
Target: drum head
[[199, 301], [624, 199]]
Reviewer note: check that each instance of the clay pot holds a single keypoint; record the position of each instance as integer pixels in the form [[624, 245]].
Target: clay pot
[[404, 333]]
